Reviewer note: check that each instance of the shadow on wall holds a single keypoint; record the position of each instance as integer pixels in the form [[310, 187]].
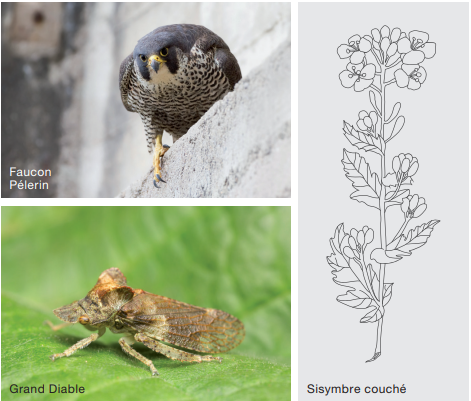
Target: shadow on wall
[[60, 64]]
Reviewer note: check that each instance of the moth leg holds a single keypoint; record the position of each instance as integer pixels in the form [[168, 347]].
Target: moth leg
[[81, 344], [126, 343], [57, 327], [173, 353]]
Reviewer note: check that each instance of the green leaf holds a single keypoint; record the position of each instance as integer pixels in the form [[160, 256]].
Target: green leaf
[[366, 184], [234, 259]]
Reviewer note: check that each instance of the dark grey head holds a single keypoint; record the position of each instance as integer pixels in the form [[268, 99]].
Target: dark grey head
[[160, 46]]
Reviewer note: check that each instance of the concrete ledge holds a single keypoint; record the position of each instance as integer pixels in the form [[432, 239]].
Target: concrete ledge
[[240, 148]]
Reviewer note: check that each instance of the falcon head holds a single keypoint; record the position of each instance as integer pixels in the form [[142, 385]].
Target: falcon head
[[157, 53]]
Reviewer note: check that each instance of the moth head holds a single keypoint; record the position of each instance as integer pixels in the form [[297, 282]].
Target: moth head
[[70, 313]]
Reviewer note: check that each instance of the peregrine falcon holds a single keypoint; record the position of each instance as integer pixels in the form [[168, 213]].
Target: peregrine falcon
[[175, 74]]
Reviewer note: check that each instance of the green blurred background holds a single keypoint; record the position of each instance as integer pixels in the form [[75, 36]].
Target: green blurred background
[[232, 258]]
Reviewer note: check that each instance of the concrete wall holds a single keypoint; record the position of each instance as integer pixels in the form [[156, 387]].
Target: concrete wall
[[100, 147]]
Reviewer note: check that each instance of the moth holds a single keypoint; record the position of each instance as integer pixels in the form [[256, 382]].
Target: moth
[[149, 319]]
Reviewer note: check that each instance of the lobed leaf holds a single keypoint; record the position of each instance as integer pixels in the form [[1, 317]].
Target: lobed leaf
[[362, 141], [366, 184], [415, 238]]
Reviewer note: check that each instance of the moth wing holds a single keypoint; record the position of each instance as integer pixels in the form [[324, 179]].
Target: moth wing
[[185, 325]]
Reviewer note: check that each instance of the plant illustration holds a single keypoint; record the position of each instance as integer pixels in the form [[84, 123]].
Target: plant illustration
[[386, 57]]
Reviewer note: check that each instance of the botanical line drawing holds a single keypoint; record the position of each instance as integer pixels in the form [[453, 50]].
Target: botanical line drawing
[[375, 61]]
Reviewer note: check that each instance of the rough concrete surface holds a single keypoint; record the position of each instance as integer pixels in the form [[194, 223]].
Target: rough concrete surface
[[240, 148]]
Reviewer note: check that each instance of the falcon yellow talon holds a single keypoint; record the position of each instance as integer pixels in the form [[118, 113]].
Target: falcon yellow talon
[[159, 151]]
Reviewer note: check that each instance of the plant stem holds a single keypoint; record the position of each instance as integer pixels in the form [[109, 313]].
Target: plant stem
[[382, 211]]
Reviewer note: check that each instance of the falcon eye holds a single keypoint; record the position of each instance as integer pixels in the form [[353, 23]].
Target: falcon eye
[[143, 58], [84, 319], [164, 52]]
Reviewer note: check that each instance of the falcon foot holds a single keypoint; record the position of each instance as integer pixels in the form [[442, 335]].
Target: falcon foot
[[159, 151]]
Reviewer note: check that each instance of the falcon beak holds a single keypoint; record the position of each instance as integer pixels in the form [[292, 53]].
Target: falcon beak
[[154, 62]]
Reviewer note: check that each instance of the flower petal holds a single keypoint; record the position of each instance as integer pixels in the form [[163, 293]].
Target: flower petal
[[404, 46], [362, 114], [345, 51], [421, 74], [414, 57], [414, 202], [368, 122], [414, 85], [365, 45], [362, 84], [357, 57], [429, 49], [418, 35], [402, 79], [347, 79], [354, 39], [368, 71]]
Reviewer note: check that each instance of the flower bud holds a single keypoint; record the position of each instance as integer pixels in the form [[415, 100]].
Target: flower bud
[[385, 44], [419, 211], [414, 202], [392, 49], [405, 205], [348, 252], [376, 35], [405, 165], [368, 235], [396, 32], [352, 243], [361, 238], [396, 164], [413, 168], [374, 117], [385, 31]]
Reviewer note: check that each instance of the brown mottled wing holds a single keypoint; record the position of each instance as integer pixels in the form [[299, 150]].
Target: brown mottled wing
[[185, 325], [125, 73]]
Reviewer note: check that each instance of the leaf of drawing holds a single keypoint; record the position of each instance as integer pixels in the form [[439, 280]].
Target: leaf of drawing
[[337, 260], [385, 256], [397, 199], [365, 182], [398, 125], [362, 141], [415, 238]]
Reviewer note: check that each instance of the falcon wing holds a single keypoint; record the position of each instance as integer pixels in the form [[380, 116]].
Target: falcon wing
[[185, 325], [125, 74]]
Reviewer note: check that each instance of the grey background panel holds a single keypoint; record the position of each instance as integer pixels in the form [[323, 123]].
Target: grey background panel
[[425, 332]]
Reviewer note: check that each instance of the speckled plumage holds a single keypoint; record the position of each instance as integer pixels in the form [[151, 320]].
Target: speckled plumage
[[198, 71]]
